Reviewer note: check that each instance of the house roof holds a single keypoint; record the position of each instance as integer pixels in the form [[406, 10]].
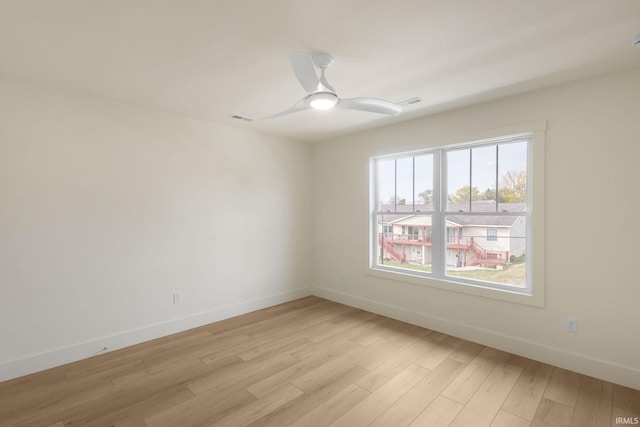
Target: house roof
[[419, 220], [401, 211]]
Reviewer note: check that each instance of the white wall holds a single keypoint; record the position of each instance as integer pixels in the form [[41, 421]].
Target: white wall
[[107, 209], [592, 238]]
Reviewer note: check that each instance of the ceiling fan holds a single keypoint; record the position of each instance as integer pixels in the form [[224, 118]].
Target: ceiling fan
[[320, 94]]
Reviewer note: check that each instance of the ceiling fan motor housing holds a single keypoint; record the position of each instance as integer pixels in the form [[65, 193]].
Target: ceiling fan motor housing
[[322, 60]]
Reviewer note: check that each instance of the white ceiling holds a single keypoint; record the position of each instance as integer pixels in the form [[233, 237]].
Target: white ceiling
[[210, 59]]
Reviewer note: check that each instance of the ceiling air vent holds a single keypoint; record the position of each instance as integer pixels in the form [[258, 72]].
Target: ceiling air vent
[[411, 101], [237, 117]]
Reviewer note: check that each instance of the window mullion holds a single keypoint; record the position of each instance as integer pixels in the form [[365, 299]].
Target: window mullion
[[497, 173], [437, 220], [395, 185], [413, 185], [470, 176]]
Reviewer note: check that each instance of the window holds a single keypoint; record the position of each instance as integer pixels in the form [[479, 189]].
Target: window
[[459, 213]]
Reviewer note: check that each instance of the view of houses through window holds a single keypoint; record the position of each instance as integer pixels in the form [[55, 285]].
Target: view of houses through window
[[458, 213]]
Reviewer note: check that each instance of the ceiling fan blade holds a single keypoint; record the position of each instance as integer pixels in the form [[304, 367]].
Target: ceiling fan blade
[[371, 105], [301, 105], [302, 64]]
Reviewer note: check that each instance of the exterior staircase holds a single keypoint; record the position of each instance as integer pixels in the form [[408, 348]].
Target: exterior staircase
[[479, 257], [388, 250]]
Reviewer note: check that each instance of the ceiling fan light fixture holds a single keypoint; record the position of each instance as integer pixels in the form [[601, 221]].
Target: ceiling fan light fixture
[[320, 94], [322, 100]]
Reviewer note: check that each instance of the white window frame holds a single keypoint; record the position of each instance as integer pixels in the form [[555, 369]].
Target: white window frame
[[533, 294]]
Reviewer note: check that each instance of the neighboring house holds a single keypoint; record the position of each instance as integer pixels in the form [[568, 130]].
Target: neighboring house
[[481, 240]]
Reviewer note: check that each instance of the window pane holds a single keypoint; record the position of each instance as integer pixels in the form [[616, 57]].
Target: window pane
[[458, 180], [424, 183], [385, 184], [483, 178], [404, 184], [487, 248], [404, 241], [512, 173]]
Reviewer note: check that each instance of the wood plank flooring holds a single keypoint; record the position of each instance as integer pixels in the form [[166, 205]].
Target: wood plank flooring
[[312, 362]]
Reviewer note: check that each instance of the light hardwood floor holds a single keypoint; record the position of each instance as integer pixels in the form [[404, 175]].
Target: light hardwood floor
[[312, 362]]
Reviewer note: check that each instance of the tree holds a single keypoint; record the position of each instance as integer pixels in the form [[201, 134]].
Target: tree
[[426, 196], [462, 195], [489, 194], [513, 187]]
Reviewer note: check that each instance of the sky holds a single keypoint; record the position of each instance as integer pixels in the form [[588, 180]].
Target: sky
[[509, 157]]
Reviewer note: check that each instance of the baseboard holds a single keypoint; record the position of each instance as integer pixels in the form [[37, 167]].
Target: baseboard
[[57, 357], [602, 369]]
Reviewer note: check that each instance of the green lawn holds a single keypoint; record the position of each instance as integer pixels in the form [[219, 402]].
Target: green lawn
[[408, 266], [510, 275]]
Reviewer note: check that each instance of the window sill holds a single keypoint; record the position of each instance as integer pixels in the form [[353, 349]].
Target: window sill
[[534, 299]]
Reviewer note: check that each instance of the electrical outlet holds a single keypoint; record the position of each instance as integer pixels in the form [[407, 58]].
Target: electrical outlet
[[343, 277], [571, 324], [177, 297]]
